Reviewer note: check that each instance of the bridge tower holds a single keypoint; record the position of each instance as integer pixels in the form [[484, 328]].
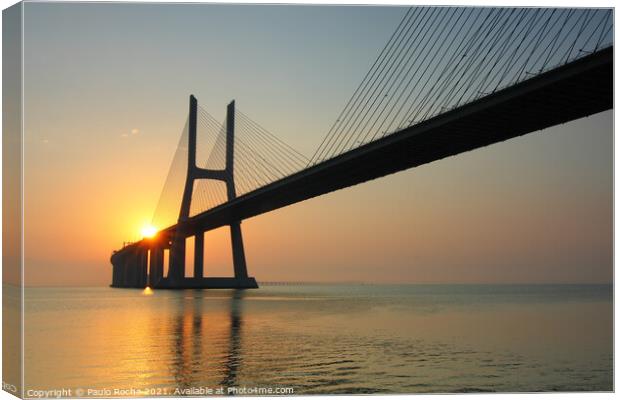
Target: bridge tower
[[176, 276]]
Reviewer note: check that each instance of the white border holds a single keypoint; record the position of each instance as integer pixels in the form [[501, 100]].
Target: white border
[[549, 3]]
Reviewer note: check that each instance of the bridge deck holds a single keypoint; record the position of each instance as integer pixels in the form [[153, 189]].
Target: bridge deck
[[575, 90]]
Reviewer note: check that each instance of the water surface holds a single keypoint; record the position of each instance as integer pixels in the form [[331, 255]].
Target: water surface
[[323, 338]]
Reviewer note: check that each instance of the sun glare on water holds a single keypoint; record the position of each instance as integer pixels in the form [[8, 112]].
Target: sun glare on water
[[148, 231]]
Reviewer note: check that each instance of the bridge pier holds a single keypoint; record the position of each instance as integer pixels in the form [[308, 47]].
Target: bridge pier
[[176, 278], [116, 275], [241, 271], [199, 251], [129, 270], [176, 267], [130, 267], [126, 271], [143, 268], [156, 272]]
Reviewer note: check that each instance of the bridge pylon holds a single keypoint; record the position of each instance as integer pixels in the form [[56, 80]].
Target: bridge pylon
[[176, 276]]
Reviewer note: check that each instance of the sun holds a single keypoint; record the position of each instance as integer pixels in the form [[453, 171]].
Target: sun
[[148, 231]]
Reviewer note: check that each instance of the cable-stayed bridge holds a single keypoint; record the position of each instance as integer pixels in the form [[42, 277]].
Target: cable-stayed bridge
[[448, 80]]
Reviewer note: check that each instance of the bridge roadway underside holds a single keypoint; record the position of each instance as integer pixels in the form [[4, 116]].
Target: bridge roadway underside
[[575, 90]]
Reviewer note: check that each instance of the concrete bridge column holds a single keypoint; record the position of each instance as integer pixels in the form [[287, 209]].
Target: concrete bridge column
[[116, 273], [132, 269], [126, 271], [136, 263], [143, 267], [199, 241], [176, 270], [120, 270], [157, 266], [241, 271]]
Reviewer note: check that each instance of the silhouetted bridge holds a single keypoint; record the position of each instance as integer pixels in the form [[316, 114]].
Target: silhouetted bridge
[[504, 73]]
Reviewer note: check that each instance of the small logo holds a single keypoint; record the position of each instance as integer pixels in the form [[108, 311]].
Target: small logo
[[8, 387]]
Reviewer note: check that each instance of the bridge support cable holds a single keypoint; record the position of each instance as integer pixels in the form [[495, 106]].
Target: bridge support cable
[[260, 158], [378, 104], [441, 58], [367, 83], [166, 211]]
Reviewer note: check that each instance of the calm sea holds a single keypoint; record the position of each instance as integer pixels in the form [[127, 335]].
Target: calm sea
[[322, 339]]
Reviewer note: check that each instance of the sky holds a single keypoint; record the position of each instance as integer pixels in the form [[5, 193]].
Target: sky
[[106, 91]]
